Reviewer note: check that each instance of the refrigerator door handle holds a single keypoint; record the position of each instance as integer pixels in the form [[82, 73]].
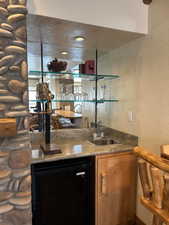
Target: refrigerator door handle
[[80, 173]]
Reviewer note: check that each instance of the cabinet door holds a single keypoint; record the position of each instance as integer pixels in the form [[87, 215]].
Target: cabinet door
[[116, 189], [62, 195]]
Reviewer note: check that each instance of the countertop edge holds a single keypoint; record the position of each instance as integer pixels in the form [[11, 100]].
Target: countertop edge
[[51, 158]]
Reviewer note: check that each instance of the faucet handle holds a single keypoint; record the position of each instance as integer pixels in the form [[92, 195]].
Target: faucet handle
[[99, 123]]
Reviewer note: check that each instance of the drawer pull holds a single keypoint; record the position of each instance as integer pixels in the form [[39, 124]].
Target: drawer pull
[[103, 183]]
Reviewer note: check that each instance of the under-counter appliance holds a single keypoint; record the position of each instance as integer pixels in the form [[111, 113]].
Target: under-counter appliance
[[63, 192]]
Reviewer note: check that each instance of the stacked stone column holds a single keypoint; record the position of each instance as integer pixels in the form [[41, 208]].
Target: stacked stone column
[[15, 157]]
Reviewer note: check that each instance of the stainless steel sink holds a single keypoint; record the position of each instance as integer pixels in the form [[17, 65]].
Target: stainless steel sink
[[104, 141]]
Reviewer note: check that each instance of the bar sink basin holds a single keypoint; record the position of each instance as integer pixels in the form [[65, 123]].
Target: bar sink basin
[[104, 141]]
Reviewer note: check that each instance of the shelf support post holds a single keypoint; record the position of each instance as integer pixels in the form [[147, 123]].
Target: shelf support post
[[96, 90]]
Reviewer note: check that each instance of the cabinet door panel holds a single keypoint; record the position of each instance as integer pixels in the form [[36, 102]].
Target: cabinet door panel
[[116, 190], [62, 194]]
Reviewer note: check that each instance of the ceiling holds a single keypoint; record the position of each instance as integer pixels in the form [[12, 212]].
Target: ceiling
[[58, 35]]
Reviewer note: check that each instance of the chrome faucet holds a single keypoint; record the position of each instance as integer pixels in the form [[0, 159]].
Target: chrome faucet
[[98, 129], [99, 133]]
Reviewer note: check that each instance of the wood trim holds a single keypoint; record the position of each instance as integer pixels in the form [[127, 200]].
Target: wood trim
[[165, 152], [144, 178], [163, 214], [108, 155], [147, 2], [138, 221], [96, 191], [8, 127], [153, 159]]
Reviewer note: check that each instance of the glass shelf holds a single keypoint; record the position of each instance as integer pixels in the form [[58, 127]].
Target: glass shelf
[[68, 75], [72, 101]]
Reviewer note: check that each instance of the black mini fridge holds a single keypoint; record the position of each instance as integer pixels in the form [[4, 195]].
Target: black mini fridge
[[63, 192]]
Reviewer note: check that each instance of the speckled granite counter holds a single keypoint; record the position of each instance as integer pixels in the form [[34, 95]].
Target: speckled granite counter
[[74, 143], [73, 150]]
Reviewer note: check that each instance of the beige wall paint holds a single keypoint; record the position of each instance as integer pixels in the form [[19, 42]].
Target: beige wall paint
[[144, 86], [124, 63], [115, 115], [109, 13], [143, 66]]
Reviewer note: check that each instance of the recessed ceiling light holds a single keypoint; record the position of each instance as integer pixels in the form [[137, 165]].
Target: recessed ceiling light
[[64, 53], [79, 38]]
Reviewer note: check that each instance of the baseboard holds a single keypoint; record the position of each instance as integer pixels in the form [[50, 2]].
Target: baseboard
[[138, 221]]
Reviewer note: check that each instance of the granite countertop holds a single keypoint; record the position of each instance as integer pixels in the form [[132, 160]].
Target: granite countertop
[[75, 149], [75, 143]]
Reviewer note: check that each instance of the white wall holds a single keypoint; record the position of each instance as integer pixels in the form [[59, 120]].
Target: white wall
[[129, 15]]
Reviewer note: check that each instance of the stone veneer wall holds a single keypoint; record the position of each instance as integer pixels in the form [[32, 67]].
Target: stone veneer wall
[[15, 179]]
